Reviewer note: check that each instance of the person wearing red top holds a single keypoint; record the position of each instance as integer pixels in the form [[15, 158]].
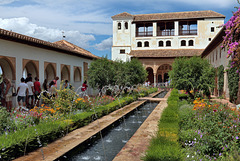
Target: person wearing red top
[[37, 90], [84, 86]]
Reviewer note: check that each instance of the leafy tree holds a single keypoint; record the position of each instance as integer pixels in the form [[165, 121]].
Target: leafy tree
[[136, 72], [232, 39], [233, 78], [192, 74], [101, 73], [104, 72]]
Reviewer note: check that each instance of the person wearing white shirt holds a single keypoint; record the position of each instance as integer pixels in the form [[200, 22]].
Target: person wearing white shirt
[[21, 92], [30, 92]]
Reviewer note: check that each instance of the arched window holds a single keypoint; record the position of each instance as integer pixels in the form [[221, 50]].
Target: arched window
[[139, 44], [168, 43], [183, 43], [77, 75], [190, 43], [160, 43], [119, 25], [146, 44], [126, 25]]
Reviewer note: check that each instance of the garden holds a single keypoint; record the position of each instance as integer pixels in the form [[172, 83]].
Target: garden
[[192, 126], [22, 132]]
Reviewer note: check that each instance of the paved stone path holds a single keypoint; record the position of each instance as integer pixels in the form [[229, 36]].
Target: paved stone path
[[61, 146], [137, 145]]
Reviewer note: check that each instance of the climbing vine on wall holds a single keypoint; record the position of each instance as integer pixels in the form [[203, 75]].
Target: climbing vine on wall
[[220, 74], [233, 78]]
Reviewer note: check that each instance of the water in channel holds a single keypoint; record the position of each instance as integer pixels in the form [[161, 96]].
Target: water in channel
[[114, 138]]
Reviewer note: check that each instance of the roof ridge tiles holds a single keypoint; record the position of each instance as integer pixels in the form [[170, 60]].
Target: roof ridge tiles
[[6, 34]]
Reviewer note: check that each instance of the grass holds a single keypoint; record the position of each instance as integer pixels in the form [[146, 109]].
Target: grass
[[165, 145]]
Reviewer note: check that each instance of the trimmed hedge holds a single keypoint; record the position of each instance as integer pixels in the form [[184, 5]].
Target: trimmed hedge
[[17, 144], [165, 145]]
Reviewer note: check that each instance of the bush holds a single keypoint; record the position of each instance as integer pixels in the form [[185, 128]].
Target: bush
[[208, 130], [24, 140]]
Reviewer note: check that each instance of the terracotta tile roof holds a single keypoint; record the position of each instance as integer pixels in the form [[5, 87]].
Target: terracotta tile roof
[[72, 47], [160, 53], [172, 16], [123, 15], [60, 47]]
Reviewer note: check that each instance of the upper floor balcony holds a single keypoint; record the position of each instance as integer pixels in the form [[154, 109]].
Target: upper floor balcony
[[166, 28]]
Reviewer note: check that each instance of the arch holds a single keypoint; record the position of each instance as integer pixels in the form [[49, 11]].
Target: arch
[[65, 73], [190, 43], [168, 43], [119, 25], [159, 78], [7, 67], [49, 72], [162, 72], [139, 44], [183, 43], [166, 77], [146, 44], [160, 44], [30, 67], [77, 75], [150, 76], [126, 25]]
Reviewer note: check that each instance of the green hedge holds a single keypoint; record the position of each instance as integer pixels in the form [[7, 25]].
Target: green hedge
[[165, 145], [16, 144], [233, 78]]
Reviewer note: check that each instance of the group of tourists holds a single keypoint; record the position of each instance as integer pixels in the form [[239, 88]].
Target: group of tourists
[[28, 92]]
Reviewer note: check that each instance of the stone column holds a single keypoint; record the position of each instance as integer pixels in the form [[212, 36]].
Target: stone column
[[155, 79], [154, 29], [176, 24]]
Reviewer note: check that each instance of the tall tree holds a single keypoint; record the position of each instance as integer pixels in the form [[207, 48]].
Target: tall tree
[[136, 72], [192, 74], [101, 73]]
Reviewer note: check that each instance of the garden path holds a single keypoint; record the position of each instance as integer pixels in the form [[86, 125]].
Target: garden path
[[139, 142], [223, 101]]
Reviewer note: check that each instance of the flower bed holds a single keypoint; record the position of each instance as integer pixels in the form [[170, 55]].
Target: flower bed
[[209, 131], [165, 145], [25, 132]]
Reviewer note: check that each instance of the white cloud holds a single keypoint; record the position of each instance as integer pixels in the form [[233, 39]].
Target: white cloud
[[2, 2], [104, 45], [22, 25]]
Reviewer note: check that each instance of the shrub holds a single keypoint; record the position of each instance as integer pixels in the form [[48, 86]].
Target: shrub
[[6, 123], [209, 130]]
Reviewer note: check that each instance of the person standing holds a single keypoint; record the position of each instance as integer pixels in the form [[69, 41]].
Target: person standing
[[66, 84], [84, 86], [55, 81], [21, 91], [3, 90], [30, 93], [37, 91], [8, 95]]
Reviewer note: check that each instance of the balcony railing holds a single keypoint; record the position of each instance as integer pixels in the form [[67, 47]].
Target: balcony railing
[[188, 32], [144, 34], [165, 33]]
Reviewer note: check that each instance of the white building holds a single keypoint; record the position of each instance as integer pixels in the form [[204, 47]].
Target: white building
[[20, 54], [217, 56], [156, 39]]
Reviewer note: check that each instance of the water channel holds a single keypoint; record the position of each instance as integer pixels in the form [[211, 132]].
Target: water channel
[[114, 137]]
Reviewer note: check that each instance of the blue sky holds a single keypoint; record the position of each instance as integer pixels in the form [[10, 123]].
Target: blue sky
[[88, 23]]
